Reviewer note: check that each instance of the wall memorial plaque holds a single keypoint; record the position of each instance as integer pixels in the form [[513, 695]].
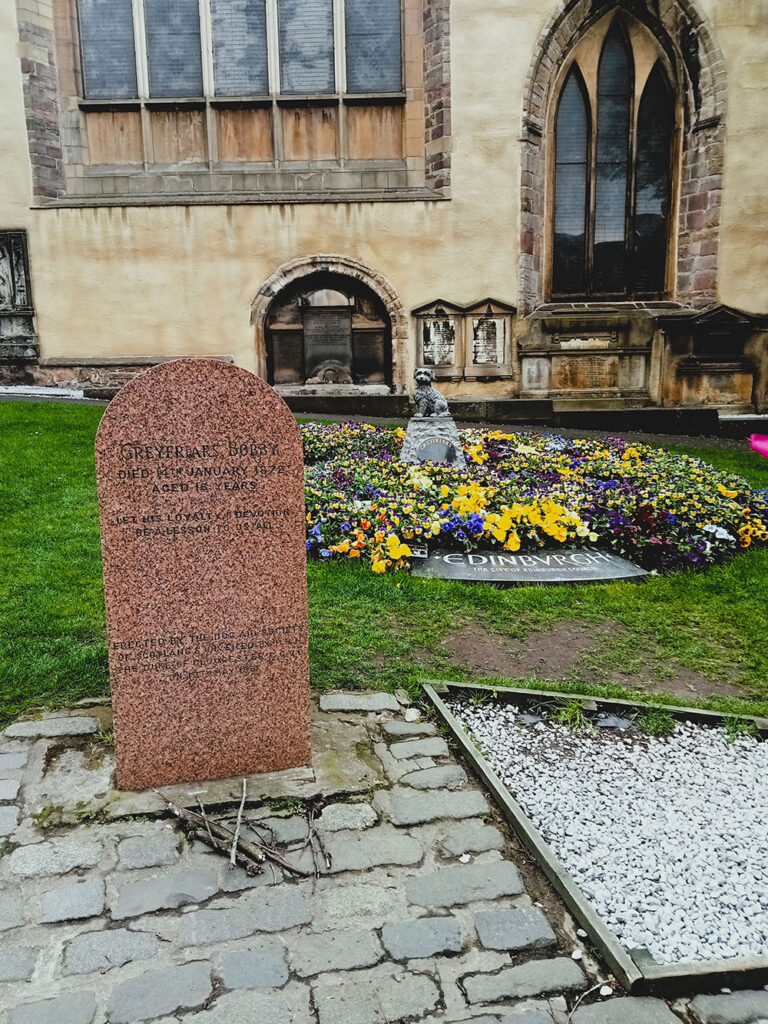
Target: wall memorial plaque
[[439, 342], [582, 373], [547, 566], [488, 338], [201, 498], [328, 336]]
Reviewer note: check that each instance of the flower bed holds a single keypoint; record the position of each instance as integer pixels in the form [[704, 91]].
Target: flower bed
[[522, 492]]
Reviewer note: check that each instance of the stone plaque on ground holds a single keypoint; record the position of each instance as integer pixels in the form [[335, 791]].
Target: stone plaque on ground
[[546, 566], [201, 499]]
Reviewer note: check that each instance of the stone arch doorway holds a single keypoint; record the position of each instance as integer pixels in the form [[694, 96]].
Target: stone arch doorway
[[328, 321]]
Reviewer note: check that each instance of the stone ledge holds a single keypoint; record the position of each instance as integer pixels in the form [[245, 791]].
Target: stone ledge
[[403, 195], [359, 702]]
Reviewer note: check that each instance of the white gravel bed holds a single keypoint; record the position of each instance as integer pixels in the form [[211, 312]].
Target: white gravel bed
[[668, 837]]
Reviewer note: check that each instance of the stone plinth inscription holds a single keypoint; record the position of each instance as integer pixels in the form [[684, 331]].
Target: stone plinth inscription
[[432, 439], [201, 498]]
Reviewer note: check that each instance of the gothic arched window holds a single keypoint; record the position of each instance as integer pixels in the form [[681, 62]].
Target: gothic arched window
[[614, 130]]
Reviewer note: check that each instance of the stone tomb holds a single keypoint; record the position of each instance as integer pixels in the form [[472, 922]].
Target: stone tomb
[[546, 566], [201, 498]]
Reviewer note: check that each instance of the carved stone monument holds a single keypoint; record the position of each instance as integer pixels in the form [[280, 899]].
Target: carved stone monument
[[431, 435], [201, 499]]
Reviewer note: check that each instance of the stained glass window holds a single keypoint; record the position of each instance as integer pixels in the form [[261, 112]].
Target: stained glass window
[[571, 168], [612, 191], [655, 125], [306, 46], [314, 38], [106, 39], [373, 45], [173, 48], [239, 47], [614, 90]]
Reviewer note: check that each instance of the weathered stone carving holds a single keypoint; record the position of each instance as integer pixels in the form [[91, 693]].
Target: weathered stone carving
[[429, 401], [18, 343], [330, 372], [431, 435]]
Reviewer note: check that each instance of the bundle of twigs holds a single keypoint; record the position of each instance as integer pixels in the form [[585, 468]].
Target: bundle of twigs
[[249, 854]]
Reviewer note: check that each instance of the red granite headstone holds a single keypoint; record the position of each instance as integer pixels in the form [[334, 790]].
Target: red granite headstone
[[201, 499]]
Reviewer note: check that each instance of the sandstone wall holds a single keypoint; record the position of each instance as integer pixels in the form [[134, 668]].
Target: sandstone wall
[[179, 280]]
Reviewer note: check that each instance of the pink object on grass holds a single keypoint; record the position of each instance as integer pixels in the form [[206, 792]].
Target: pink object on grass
[[759, 444]]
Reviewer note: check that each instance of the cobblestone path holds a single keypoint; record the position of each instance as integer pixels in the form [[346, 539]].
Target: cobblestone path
[[425, 915]]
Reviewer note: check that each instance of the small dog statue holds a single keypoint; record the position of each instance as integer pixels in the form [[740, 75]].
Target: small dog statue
[[429, 401]]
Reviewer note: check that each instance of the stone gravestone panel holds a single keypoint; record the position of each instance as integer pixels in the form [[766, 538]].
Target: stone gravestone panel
[[488, 341], [328, 336], [561, 566], [201, 498]]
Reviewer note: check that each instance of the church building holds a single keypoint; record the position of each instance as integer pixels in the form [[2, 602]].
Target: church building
[[554, 204]]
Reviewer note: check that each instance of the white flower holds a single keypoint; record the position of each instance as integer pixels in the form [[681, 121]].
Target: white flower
[[718, 531]]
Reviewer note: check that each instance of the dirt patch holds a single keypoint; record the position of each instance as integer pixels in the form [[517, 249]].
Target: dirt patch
[[684, 683], [549, 654], [557, 654], [422, 656]]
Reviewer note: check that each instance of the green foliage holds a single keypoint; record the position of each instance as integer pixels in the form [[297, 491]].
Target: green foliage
[[571, 714], [477, 700], [655, 722], [736, 728], [285, 806]]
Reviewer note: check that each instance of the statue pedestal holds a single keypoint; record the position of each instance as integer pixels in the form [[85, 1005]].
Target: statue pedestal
[[433, 439]]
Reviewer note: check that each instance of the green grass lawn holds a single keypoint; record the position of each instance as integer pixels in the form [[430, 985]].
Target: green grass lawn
[[365, 630]]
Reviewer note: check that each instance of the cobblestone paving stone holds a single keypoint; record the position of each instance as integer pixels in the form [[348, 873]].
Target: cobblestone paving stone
[[254, 968], [341, 817], [147, 851], [523, 928], [627, 1011], [423, 917]]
